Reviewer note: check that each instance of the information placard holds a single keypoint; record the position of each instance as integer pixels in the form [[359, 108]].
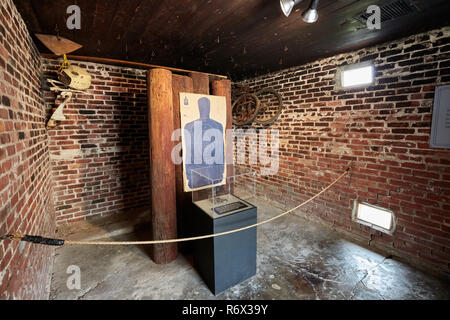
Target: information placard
[[440, 128]]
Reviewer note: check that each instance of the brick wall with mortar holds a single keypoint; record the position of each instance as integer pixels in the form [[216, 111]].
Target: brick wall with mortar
[[26, 204], [383, 130], [100, 153]]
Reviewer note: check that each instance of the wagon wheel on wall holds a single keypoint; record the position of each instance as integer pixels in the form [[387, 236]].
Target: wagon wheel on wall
[[245, 109], [238, 90], [271, 106]]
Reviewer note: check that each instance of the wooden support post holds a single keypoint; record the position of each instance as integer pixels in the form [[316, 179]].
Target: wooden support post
[[223, 88], [184, 199], [201, 83], [161, 123], [195, 83]]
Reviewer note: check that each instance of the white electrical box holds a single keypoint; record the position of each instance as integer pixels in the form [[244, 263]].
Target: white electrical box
[[440, 128]]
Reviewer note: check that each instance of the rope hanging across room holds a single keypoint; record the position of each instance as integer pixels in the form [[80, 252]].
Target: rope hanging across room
[[61, 242]]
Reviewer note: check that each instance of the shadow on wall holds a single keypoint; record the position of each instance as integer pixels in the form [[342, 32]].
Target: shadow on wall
[[100, 153], [133, 162]]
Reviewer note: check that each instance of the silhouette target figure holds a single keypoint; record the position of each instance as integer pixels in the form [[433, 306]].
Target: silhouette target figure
[[195, 147]]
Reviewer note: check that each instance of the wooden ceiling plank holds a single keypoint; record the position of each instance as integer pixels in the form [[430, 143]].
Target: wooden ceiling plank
[[172, 29]]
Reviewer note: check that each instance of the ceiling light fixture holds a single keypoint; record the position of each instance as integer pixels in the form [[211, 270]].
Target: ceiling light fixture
[[311, 15], [287, 5]]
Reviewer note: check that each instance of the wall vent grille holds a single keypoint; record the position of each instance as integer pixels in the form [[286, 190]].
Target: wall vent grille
[[391, 11]]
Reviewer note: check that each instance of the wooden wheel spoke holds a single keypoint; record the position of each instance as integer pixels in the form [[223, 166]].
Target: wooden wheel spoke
[[264, 118], [245, 109]]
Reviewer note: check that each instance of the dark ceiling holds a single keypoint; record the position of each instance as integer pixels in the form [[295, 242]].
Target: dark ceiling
[[236, 38]]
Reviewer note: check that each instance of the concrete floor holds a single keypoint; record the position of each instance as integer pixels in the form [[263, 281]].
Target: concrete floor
[[297, 259]]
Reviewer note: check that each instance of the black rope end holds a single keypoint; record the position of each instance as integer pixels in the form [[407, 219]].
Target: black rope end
[[44, 241], [33, 239]]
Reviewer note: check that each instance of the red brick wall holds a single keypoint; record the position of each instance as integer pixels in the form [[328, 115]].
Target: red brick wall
[[26, 204], [384, 130], [99, 154]]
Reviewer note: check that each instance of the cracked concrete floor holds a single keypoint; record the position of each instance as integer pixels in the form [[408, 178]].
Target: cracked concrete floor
[[297, 259]]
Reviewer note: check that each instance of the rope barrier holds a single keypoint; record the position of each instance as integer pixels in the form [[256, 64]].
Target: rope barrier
[[61, 242]]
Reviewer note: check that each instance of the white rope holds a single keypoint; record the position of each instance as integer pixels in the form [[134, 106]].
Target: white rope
[[77, 242]]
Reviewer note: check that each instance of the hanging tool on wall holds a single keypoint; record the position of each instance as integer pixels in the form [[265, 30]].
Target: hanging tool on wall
[[71, 78], [66, 94]]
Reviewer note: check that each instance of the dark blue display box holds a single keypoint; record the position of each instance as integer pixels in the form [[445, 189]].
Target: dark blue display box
[[228, 260]]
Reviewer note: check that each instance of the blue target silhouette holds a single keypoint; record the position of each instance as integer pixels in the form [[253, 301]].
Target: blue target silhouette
[[205, 173]]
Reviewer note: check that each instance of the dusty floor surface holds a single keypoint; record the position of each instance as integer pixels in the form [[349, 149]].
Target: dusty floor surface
[[296, 259]]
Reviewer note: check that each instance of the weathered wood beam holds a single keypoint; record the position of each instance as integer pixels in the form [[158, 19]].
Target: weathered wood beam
[[201, 83], [161, 124], [184, 199], [128, 63], [223, 88]]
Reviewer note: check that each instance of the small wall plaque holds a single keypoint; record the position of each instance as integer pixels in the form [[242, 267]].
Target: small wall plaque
[[440, 128]]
